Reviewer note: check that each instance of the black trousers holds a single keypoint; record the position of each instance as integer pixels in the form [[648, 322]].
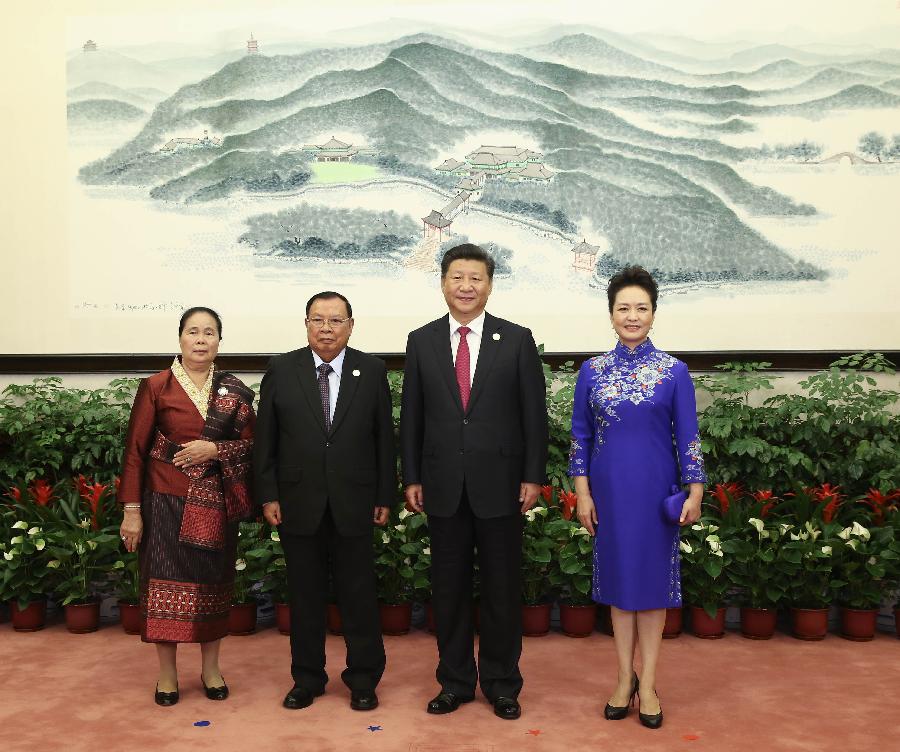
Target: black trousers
[[348, 561], [499, 550]]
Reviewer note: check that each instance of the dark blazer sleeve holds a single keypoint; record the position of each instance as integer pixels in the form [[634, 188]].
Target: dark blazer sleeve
[[265, 445], [386, 451], [412, 417], [533, 399]]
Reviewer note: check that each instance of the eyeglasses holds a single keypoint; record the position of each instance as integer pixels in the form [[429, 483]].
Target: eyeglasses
[[318, 323]]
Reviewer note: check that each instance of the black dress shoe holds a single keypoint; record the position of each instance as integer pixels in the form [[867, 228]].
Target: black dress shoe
[[365, 699], [215, 693], [507, 708], [445, 702], [300, 697], [651, 721], [614, 713], [166, 699]]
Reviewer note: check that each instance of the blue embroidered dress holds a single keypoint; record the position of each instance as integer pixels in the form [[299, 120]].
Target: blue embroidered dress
[[634, 434]]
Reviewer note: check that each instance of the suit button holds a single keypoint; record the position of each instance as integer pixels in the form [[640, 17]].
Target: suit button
[[465, 421], [462, 451], [328, 443]]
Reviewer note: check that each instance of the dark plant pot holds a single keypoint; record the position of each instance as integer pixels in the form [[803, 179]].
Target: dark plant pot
[[82, 618], [674, 622], [809, 623], [242, 619], [758, 623], [396, 619], [31, 619], [429, 618], [334, 619], [577, 621], [283, 617], [858, 624], [706, 628], [536, 620], [130, 616]]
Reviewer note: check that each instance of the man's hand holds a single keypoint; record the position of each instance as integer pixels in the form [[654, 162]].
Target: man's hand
[[381, 515], [528, 493], [272, 513], [413, 495]]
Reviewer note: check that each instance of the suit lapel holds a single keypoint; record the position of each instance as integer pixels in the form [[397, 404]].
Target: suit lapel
[[440, 340], [491, 341], [349, 382], [306, 374]]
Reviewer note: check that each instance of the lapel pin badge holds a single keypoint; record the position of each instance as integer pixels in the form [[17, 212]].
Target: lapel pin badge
[[222, 391], [496, 336], [356, 372]]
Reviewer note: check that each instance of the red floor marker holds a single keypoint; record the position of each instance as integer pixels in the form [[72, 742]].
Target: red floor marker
[[533, 732], [690, 737]]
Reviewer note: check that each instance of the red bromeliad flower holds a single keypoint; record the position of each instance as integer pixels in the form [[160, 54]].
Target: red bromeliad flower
[[41, 492], [15, 493], [725, 493], [568, 500], [880, 503], [768, 500], [828, 495], [547, 493], [92, 493]]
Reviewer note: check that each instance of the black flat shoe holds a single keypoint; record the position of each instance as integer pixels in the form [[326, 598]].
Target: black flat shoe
[[507, 708], [300, 697], [614, 713], [364, 700], [651, 721], [166, 699], [445, 702], [215, 693]]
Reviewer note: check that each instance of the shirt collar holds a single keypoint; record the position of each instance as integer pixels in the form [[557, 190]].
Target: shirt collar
[[644, 348], [336, 365], [475, 325]]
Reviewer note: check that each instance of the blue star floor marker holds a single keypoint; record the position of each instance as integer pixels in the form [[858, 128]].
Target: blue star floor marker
[[201, 723], [373, 729]]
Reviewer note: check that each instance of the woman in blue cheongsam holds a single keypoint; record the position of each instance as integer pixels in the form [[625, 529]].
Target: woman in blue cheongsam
[[634, 436]]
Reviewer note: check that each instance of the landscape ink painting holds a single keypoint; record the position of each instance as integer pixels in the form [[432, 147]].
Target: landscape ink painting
[[248, 166]]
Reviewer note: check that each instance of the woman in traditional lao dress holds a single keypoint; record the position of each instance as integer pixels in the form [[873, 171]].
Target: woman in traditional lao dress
[[184, 489], [634, 437]]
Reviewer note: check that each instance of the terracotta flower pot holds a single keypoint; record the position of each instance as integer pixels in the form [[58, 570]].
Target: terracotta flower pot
[[674, 621], [809, 623], [242, 619], [82, 618], [758, 623], [130, 616], [334, 619], [858, 624], [706, 628], [31, 618], [536, 620], [283, 617], [577, 621], [396, 619]]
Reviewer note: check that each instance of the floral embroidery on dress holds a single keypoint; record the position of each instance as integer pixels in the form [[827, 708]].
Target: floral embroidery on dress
[[200, 397], [576, 461], [693, 469]]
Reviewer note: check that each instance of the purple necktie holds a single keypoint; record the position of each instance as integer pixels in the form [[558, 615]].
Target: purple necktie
[[324, 392], [462, 367]]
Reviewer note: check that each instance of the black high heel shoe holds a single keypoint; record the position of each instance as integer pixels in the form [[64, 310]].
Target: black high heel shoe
[[651, 721], [215, 693], [166, 699], [613, 713]]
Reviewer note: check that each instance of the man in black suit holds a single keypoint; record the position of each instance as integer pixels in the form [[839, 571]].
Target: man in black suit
[[474, 450], [325, 470]]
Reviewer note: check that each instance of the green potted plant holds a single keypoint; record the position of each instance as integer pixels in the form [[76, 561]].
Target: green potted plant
[[863, 562], [274, 583], [761, 583], [400, 567], [538, 549], [25, 575], [128, 591], [249, 570], [706, 550]]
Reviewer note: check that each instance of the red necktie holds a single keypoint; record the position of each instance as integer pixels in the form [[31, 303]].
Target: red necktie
[[462, 367]]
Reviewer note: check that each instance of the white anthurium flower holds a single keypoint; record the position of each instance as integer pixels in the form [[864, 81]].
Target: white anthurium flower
[[715, 547], [765, 534], [541, 511], [712, 539], [275, 536], [853, 543], [713, 528], [859, 531], [92, 545], [718, 552], [581, 531], [34, 531], [406, 561], [427, 551], [758, 524], [17, 540], [795, 537], [698, 526], [79, 548], [280, 561], [400, 528], [240, 565], [119, 565], [529, 515], [784, 527], [873, 560], [8, 555], [804, 536], [685, 547], [826, 550], [844, 534], [53, 564], [404, 513], [385, 538], [20, 525], [813, 531], [84, 524], [40, 543]]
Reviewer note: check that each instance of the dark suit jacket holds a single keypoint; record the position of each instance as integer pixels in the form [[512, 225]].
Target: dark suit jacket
[[352, 467], [498, 443]]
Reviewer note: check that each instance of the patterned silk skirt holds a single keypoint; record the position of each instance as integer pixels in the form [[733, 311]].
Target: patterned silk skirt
[[185, 591]]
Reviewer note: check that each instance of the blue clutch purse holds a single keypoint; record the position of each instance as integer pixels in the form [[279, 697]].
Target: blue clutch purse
[[672, 505]]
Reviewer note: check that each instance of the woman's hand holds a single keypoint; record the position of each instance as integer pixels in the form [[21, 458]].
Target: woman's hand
[[195, 452], [131, 529], [587, 512], [690, 510]]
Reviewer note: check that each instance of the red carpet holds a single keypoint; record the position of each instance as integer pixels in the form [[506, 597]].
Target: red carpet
[[95, 691]]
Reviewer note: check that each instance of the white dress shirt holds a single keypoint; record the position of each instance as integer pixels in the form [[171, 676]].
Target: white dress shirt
[[334, 378], [476, 327]]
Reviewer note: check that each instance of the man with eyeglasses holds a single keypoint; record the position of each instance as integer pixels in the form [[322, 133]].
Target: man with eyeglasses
[[325, 471]]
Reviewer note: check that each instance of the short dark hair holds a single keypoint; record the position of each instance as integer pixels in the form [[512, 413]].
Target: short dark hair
[[467, 252], [199, 309], [632, 276], [329, 295]]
